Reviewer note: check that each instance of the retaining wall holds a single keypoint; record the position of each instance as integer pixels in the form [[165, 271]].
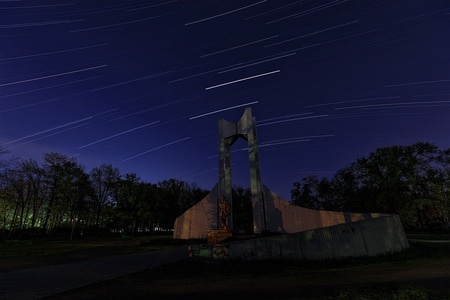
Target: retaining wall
[[362, 238]]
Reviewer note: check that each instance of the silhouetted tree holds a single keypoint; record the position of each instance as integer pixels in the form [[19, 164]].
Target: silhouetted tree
[[126, 203], [103, 179], [176, 196], [34, 179], [310, 193], [242, 209], [60, 193], [412, 181], [63, 179]]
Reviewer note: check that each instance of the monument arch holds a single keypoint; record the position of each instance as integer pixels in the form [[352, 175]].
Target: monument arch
[[365, 233], [229, 133]]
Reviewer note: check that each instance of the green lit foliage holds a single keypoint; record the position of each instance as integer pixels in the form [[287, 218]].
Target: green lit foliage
[[59, 196], [66, 188]]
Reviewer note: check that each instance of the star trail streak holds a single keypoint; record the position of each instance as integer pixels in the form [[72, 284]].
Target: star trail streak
[[394, 104], [223, 109], [47, 130], [51, 86], [53, 52], [240, 46], [157, 148], [45, 136], [118, 134], [242, 79], [223, 14], [291, 120], [114, 25], [351, 101], [256, 63], [51, 76], [312, 33], [141, 85]]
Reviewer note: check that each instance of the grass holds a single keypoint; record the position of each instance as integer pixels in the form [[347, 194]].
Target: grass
[[202, 279], [420, 272], [16, 254]]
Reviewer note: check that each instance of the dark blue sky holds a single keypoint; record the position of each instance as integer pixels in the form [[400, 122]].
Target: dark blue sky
[[141, 84]]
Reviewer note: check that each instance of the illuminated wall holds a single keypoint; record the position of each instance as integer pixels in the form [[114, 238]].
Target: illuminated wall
[[281, 217], [284, 217], [194, 223]]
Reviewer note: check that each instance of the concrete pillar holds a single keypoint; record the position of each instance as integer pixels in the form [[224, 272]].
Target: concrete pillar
[[229, 133]]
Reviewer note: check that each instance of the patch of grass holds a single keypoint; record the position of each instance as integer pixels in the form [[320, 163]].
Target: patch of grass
[[355, 278], [34, 248], [386, 292], [351, 278], [44, 251], [210, 279], [38, 247]]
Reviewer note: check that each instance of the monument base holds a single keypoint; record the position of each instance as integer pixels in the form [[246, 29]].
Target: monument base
[[217, 236]]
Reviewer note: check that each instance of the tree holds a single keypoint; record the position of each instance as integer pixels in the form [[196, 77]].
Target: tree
[[175, 197], [401, 177], [411, 181], [147, 210], [126, 203], [66, 189], [349, 191], [242, 209], [14, 198], [34, 178], [308, 193], [22, 181], [103, 179]]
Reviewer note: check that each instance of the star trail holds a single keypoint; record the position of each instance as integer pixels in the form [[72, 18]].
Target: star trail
[[141, 84]]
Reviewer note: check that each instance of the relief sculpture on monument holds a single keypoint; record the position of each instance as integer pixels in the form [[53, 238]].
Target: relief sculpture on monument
[[224, 212]]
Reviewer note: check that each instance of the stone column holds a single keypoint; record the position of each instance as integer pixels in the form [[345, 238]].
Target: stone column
[[227, 136], [229, 132], [247, 126]]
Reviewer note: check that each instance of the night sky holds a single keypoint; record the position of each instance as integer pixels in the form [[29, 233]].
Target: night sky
[[141, 84]]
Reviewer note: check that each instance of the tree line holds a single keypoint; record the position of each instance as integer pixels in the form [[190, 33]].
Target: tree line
[[412, 181], [60, 195]]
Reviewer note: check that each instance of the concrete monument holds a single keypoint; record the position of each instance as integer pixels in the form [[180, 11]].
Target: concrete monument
[[211, 218], [229, 133]]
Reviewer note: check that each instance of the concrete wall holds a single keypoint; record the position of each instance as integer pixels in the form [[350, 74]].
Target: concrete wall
[[363, 238], [194, 223], [284, 217], [281, 217]]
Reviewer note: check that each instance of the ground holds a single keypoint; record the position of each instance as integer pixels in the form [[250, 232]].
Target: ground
[[421, 272]]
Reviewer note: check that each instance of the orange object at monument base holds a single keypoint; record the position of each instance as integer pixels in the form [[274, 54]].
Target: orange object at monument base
[[217, 236]]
